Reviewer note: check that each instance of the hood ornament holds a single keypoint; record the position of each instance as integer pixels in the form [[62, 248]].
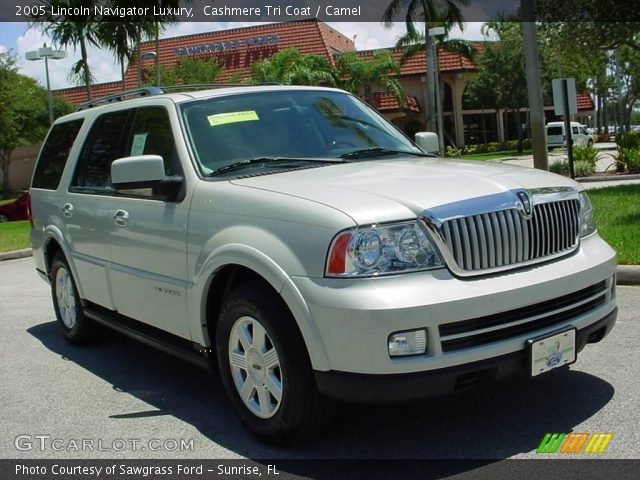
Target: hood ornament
[[524, 206]]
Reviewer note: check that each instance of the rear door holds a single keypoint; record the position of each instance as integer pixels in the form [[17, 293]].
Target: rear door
[[555, 135]]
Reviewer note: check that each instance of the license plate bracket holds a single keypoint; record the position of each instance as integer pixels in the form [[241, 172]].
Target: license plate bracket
[[552, 350]]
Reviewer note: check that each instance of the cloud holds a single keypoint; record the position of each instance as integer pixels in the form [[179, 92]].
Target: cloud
[[370, 35], [101, 61], [3, 49]]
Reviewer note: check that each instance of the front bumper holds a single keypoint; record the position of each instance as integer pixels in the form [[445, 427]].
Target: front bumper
[[350, 320], [381, 389]]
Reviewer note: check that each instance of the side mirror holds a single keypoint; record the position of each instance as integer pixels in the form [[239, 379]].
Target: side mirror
[[428, 142], [145, 171]]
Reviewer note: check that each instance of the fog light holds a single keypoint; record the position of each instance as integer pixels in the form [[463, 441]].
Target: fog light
[[413, 342]]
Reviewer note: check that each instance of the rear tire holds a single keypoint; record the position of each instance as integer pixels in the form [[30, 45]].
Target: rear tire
[[265, 368], [76, 327]]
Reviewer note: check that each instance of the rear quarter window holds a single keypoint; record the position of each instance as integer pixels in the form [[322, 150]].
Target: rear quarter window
[[554, 131], [54, 154]]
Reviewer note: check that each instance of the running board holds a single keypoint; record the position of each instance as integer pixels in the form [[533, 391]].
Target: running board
[[152, 336]]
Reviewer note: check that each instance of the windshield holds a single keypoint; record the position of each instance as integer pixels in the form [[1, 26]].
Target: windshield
[[296, 125]]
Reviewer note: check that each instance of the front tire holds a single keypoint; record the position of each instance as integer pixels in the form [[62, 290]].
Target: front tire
[[76, 327], [265, 368]]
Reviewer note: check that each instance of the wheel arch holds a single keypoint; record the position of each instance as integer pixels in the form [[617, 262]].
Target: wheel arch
[[232, 265], [54, 243]]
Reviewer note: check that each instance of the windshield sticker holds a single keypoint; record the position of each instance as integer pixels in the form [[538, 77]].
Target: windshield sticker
[[139, 141], [232, 117]]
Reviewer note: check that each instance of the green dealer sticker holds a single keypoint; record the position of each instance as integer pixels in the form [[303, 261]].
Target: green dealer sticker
[[232, 117]]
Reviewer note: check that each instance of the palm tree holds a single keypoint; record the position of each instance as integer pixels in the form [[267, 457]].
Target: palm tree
[[81, 31], [430, 13], [358, 75], [290, 67], [118, 37]]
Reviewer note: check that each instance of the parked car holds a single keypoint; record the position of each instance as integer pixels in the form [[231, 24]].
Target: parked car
[[15, 210], [556, 135], [316, 253]]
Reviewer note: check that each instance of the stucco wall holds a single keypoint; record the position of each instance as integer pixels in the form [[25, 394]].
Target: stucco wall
[[23, 160]]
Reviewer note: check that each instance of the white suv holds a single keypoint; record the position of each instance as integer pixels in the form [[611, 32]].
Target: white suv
[[318, 254]]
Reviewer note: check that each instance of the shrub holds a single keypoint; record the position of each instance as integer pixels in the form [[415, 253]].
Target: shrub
[[628, 160], [586, 154], [602, 137], [560, 167], [628, 140], [583, 169]]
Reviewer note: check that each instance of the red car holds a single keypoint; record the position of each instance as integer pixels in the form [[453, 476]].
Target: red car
[[16, 210]]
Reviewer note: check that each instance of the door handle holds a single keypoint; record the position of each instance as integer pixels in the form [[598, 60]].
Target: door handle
[[67, 210], [121, 218]]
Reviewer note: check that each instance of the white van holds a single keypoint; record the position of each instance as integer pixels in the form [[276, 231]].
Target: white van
[[556, 136]]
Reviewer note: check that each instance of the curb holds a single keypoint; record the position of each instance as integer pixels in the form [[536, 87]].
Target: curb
[[609, 178], [628, 275], [26, 252], [625, 274]]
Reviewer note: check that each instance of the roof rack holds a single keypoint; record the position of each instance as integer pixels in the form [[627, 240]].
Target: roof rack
[[118, 97], [150, 91]]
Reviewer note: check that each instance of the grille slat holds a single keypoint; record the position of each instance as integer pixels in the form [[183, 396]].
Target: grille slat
[[504, 238]]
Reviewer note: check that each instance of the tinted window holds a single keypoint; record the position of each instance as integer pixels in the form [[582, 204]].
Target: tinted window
[[574, 130], [105, 143], [554, 131], [54, 154], [152, 135], [144, 131]]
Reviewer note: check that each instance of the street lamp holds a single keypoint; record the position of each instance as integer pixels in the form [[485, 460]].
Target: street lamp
[[433, 32], [46, 53]]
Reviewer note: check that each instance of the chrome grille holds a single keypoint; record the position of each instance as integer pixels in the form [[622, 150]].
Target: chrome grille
[[504, 238]]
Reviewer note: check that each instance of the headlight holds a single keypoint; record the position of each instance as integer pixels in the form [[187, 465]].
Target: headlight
[[381, 250], [587, 220]]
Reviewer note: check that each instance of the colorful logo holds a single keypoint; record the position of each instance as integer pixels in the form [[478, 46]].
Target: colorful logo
[[574, 443]]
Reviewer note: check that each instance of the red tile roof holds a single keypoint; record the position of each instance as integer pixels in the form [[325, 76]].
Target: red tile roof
[[309, 36], [585, 102], [387, 102], [416, 65]]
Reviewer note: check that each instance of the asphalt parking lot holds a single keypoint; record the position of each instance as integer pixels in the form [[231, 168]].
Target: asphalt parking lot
[[123, 394]]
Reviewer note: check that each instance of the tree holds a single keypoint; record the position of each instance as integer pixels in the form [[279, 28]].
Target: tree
[[358, 75], [188, 71], [118, 37], [24, 117], [80, 30], [291, 67], [501, 74], [429, 13], [592, 24]]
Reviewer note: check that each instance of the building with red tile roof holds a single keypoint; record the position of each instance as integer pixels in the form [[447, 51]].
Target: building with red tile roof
[[237, 49]]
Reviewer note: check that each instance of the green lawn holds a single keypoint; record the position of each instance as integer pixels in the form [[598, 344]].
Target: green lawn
[[14, 235], [617, 212], [496, 155]]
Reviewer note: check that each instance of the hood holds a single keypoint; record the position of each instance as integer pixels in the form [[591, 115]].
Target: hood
[[389, 190]]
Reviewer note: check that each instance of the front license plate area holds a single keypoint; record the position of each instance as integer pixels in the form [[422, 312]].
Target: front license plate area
[[551, 351]]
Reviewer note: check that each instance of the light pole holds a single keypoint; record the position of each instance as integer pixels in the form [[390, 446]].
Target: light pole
[[433, 32], [46, 53]]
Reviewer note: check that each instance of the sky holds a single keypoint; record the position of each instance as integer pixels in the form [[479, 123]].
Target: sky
[[19, 38]]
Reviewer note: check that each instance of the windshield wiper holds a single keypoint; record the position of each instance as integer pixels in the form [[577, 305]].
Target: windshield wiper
[[264, 160], [380, 152]]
